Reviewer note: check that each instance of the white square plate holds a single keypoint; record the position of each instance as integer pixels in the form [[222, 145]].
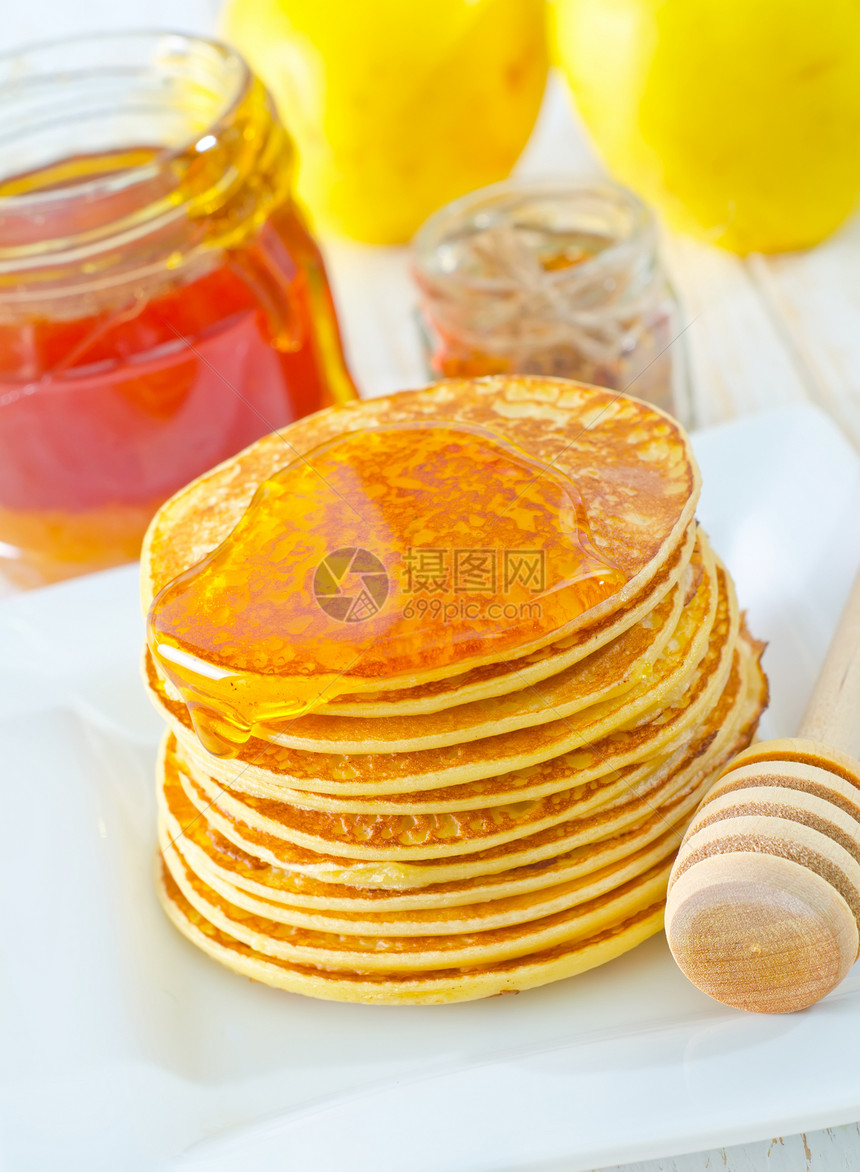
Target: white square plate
[[125, 1048]]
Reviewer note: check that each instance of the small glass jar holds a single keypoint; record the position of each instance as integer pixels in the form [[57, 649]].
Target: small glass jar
[[162, 304], [557, 278]]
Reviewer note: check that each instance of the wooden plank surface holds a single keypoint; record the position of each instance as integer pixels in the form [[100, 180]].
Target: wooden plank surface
[[814, 301], [835, 1149], [761, 332]]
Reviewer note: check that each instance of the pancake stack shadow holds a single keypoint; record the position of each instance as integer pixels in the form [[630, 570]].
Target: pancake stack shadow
[[508, 824]]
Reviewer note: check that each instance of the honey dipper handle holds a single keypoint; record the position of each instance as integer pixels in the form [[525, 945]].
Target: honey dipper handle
[[833, 713]]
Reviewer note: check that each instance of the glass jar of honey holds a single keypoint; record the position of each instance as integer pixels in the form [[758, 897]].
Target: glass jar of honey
[[162, 303], [558, 278]]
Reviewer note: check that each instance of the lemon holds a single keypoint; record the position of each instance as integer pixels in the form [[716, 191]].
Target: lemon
[[396, 106], [739, 118]]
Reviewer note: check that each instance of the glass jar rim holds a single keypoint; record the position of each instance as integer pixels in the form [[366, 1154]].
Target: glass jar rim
[[131, 158], [12, 75], [507, 196]]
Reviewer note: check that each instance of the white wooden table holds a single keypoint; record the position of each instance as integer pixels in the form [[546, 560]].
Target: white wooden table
[[762, 332]]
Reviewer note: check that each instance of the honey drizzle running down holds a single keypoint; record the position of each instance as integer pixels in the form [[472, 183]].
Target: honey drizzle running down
[[379, 557]]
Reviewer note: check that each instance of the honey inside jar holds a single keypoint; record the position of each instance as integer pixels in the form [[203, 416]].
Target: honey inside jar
[[385, 556], [162, 303]]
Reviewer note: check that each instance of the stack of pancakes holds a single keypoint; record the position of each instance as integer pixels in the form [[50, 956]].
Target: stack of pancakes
[[504, 823]]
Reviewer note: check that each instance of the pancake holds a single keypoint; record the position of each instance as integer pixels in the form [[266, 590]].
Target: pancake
[[608, 672], [712, 615], [633, 469], [621, 930], [362, 805], [613, 671], [730, 726], [498, 679], [589, 770], [441, 987], [496, 905], [363, 836], [396, 954], [448, 918], [737, 712], [602, 920]]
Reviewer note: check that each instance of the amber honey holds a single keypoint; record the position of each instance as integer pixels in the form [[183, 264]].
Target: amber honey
[[162, 303], [382, 556]]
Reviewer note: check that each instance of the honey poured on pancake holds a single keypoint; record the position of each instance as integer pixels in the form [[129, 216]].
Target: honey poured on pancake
[[379, 555]]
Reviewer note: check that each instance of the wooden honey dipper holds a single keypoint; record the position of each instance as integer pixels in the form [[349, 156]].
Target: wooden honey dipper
[[763, 911]]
